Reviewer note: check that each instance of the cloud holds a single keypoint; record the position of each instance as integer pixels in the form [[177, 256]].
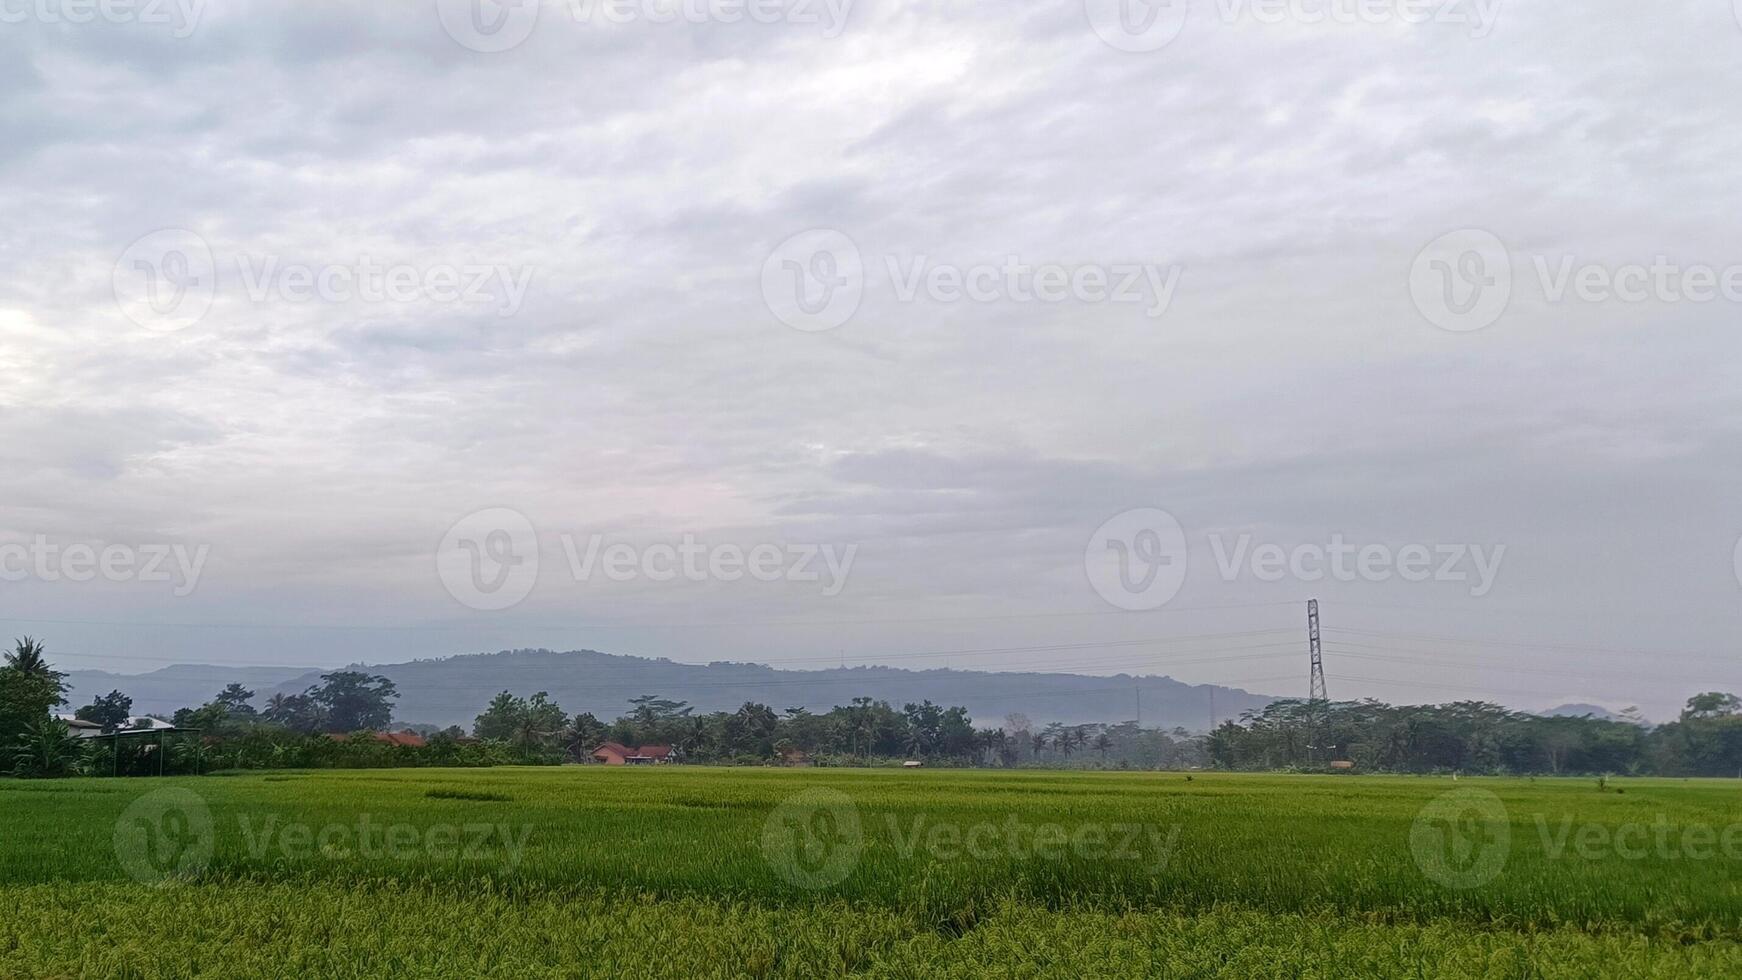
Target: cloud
[[640, 174]]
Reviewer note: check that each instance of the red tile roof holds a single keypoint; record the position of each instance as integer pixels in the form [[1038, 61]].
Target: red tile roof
[[409, 739], [645, 751]]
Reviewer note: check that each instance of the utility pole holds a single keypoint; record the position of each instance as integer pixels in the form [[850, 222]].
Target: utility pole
[[1317, 702], [1137, 691]]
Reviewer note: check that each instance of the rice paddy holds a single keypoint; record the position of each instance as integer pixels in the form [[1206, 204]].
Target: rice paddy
[[748, 872]]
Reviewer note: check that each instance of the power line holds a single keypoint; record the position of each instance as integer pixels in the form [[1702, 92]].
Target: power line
[[1451, 687], [1487, 608], [1564, 647], [1617, 675]]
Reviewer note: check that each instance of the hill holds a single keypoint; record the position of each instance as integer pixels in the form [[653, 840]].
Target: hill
[[453, 690], [1579, 710]]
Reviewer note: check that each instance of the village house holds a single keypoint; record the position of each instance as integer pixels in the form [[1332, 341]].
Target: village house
[[80, 728], [614, 754]]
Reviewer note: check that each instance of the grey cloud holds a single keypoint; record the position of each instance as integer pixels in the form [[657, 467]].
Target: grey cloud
[[970, 448]]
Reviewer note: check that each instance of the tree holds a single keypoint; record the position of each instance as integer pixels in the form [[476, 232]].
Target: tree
[[544, 722], [654, 720], [1064, 739], [808, 732], [501, 719], [297, 712], [956, 738], [528, 724], [48, 749], [861, 727], [353, 701], [234, 699], [228, 713], [992, 743], [751, 731], [28, 657], [1712, 704], [584, 734], [211, 718], [29, 691], [925, 728], [112, 711], [1707, 740]]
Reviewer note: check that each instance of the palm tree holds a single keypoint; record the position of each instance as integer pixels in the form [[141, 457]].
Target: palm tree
[[1067, 740], [277, 708], [863, 727], [987, 741], [527, 733], [694, 738], [29, 659]]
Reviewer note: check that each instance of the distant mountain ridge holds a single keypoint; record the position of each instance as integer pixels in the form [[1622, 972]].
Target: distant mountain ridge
[[1580, 709], [454, 690]]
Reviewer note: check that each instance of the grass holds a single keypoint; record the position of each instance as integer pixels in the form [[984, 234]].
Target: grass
[[762, 873], [477, 796]]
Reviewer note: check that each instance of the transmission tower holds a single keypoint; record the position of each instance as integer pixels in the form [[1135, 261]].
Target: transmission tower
[[1318, 704]]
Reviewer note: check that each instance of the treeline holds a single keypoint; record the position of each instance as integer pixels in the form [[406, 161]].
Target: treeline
[[292, 731], [1480, 737], [336, 724], [865, 732]]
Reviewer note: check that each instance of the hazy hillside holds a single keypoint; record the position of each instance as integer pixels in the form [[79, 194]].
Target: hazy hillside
[[455, 690], [1579, 710]]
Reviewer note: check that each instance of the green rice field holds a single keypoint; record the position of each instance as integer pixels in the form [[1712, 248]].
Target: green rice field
[[803, 873]]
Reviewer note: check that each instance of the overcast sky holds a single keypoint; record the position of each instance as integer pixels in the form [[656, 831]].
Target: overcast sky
[[642, 277]]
